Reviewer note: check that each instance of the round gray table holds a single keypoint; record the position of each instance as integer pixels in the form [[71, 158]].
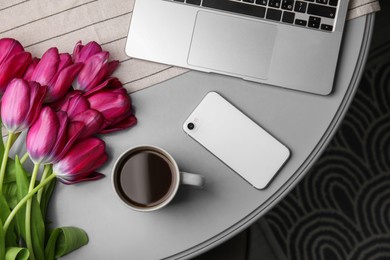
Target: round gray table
[[197, 220]]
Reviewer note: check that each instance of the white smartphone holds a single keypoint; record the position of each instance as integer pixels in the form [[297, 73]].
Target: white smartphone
[[236, 140]]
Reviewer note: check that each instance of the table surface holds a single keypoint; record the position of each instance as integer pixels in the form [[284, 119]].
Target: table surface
[[197, 220]]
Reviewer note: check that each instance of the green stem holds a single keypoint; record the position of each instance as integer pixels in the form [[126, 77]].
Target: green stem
[[5, 159], [44, 175], [24, 158], [24, 200], [28, 212]]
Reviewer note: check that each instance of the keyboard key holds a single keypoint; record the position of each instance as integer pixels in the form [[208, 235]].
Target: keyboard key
[[236, 7], [287, 4], [326, 27], [274, 14], [300, 22], [320, 10], [325, 2], [314, 19], [314, 22], [193, 2], [261, 2], [300, 7], [313, 25], [333, 2], [274, 3], [288, 17], [179, 1], [309, 0], [249, 1]]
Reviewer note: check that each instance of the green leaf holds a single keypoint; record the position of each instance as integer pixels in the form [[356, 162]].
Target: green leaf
[[10, 193], [22, 184], [4, 212], [46, 196], [17, 253], [37, 230], [64, 240], [2, 241], [37, 221], [10, 237], [9, 171], [47, 192]]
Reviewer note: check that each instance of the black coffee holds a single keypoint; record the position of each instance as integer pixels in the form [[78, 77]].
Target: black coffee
[[145, 178]]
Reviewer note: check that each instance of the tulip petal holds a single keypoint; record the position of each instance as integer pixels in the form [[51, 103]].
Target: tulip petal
[[112, 66], [65, 61], [61, 139], [8, 48], [63, 82], [47, 67], [42, 136], [113, 104], [94, 71], [83, 159], [30, 70], [37, 95], [14, 67], [14, 105], [75, 129], [74, 104], [110, 83], [93, 121], [77, 179], [124, 124], [82, 53]]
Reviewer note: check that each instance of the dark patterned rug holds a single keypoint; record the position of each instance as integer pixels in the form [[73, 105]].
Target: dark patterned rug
[[341, 209]]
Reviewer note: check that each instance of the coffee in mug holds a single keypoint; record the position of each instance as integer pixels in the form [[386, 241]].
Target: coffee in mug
[[147, 178]]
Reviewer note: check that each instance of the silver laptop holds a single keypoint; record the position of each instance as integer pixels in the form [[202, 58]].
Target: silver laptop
[[286, 43]]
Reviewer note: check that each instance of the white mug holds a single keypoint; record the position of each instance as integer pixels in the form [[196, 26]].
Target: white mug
[[146, 178]]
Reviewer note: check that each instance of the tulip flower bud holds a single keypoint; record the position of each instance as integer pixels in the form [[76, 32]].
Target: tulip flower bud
[[74, 104], [47, 136], [80, 163], [13, 61], [115, 106], [81, 53], [96, 65], [21, 104], [93, 122], [8, 48], [56, 71]]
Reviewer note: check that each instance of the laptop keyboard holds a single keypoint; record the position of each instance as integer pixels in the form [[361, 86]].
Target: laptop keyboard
[[315, 14]]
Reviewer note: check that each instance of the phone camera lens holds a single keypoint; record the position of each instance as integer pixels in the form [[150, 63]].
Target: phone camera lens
[[190, 126]]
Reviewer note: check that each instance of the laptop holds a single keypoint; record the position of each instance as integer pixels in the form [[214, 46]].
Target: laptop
[[287, 43]]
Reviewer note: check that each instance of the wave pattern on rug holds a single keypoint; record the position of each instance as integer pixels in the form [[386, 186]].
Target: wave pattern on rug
[[341, 209]]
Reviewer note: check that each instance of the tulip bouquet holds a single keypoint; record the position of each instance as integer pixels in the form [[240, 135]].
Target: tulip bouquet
[[60, 102]]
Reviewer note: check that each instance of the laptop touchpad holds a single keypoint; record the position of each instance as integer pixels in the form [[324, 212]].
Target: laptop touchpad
[[232, 45]]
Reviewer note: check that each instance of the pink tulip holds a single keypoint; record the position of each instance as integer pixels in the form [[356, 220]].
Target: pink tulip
[[96, 65], [56, 71], [92, 120], [115, 105], [46, 137], [8, 48], [78, 110], [81, 53], [74, 103], [13, 61], [80, 163], [21, 104], [51, 136]]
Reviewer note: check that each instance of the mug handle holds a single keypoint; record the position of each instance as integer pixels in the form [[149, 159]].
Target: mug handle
[[192, 179]]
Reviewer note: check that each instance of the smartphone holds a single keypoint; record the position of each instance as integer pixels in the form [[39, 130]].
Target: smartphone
[[236, 140]]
